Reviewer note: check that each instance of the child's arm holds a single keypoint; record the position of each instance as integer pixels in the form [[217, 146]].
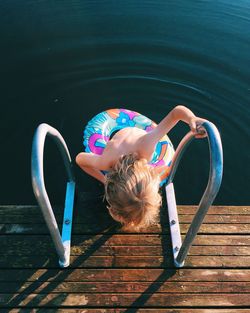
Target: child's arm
[[179, 113], [91, 164]]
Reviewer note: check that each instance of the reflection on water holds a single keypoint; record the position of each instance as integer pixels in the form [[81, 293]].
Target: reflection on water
[[64, 62]]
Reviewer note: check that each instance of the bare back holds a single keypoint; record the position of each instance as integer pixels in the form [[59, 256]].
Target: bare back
[[127, 140]]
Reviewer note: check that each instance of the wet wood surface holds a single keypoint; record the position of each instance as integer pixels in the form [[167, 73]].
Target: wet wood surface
[[114, 271]]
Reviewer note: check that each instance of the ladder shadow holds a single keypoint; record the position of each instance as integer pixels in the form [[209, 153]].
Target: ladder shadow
[[57, 276]]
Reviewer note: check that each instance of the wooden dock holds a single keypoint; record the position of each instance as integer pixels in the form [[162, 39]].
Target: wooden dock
[[116, 272]]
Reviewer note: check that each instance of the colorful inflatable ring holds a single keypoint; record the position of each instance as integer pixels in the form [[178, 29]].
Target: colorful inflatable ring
[[99, 129]]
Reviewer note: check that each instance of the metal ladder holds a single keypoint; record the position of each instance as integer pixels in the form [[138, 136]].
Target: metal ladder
[[180, 250], [61, 242]]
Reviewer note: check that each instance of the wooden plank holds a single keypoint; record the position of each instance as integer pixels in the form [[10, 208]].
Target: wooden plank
[[16, 252], [125, 299], [218, 210], [81, 229], [125, 287], [216, 219], [103, 218], [183, 219], [88, 214], [13, 241], [182, 209], [219, 229], [106, 222], [123, 261], [127, 310], [129, 250], [125, 275], [219, 250]]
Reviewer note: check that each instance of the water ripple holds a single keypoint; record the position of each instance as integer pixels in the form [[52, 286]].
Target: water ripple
[[148, 55]]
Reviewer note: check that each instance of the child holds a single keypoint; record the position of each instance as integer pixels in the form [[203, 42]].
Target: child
[[132, 185]]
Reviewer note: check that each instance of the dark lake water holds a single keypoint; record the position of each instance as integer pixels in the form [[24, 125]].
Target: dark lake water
[[64, 61]]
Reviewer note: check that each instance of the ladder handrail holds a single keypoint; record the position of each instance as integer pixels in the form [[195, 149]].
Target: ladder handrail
[[214, 182], [37, 176]]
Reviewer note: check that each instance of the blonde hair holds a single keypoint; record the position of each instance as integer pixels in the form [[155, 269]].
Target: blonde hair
[[132, 192]]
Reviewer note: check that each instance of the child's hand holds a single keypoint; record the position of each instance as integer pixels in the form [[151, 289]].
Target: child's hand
[[196, 127]]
